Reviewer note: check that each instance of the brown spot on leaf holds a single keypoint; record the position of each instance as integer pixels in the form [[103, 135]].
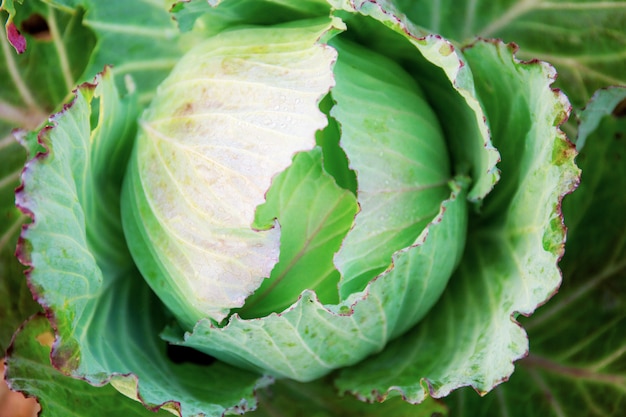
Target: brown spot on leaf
[[66, 357], [37, 26], [186, 109], [620, 109], [564, 152]]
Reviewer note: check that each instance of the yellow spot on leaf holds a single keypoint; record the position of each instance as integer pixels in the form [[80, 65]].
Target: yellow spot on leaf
[[45, 339], [446, 49]]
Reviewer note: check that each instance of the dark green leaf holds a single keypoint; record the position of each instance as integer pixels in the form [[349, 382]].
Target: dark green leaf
[[34, 83], [17, 303], [319, 399]]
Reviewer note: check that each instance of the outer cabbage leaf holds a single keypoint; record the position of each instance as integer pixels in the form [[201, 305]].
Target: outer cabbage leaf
[[29, 370], [58, 47], [82, 273], [471, 337], [309, 339], [577, 363], [446, 80], [583, 39]]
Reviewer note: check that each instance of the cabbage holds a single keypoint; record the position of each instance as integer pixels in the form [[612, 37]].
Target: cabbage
[[319, 191]]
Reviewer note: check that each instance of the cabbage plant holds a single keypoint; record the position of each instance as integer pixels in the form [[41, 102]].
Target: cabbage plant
[[284, 192]]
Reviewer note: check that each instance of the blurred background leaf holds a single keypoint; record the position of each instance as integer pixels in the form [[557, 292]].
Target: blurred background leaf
[[35, 82], [16, 301], [139, 38], [320, 399], [584, 39]]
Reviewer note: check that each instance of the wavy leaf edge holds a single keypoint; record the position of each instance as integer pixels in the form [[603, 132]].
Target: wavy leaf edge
[[38, 151]]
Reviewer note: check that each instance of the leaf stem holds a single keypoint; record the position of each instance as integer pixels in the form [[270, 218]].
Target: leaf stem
[[507, 17], [534, 362], [146, 65], [19, 117], [549, 396], [60, 47], [435, 17], [469, 19], [152, 32], [608, 360], [12, 231], [590, 5], [504, 410], [10, 180], [7, 141]]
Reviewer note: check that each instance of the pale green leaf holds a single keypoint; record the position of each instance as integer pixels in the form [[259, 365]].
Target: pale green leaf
[[395, 145], [446, 79]]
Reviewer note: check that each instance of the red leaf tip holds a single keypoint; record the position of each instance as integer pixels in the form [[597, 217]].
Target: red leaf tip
[[15, 38]]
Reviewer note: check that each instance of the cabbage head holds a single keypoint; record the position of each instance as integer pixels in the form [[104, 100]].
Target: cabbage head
[[318, 188]]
